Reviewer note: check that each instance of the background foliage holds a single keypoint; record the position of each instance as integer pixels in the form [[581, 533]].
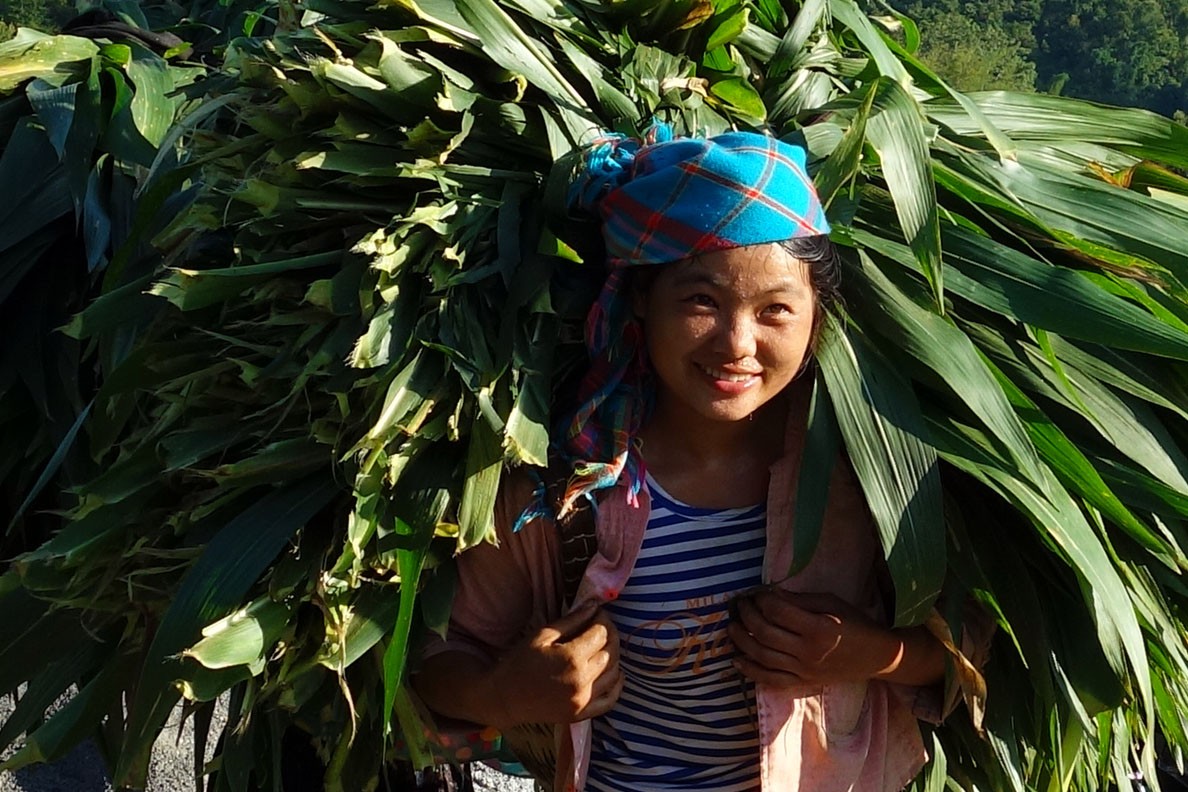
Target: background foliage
[[312, 293], [1125, 53]]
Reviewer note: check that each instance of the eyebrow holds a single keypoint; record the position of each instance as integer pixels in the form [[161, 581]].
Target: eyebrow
[[713, 279]]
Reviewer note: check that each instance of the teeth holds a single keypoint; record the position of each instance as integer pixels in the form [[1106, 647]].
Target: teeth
[[725, 375]]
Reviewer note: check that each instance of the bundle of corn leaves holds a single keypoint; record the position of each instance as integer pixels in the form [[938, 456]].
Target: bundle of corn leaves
[[363, 294]]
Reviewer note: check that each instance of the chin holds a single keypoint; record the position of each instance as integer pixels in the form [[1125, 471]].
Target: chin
[[730, 413]]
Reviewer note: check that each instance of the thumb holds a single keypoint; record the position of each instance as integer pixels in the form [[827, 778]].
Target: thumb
[[570, 625]]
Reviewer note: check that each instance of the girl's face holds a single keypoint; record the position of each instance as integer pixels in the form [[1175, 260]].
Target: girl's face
[[727, 331]]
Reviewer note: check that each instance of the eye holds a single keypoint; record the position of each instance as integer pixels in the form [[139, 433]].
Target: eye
[[701, 300], [778, 309]]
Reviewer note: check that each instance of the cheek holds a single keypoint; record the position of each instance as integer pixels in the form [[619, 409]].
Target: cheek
[[674, 332], [789, 349]]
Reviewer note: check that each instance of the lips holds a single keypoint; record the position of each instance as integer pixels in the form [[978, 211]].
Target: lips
[[724, 375]]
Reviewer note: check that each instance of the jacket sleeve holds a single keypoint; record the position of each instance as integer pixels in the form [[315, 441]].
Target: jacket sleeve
[[967, 655], [963, 679], [508, 589]]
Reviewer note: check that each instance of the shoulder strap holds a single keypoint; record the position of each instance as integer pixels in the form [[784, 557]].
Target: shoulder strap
[[535, 745], [579, 538]]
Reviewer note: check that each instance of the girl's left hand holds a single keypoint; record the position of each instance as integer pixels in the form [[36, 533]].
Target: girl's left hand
[[788, 639]]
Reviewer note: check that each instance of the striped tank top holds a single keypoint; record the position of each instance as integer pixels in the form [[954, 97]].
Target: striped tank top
[[686, 719]]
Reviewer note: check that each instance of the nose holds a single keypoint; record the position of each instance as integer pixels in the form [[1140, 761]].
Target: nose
[[739, 336]]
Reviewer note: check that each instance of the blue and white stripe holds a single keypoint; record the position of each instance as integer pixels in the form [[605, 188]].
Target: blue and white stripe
[[686, 719]]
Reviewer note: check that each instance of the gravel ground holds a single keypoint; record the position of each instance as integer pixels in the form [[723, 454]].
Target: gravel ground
[[171, 768], [173, 757], [487, 780]]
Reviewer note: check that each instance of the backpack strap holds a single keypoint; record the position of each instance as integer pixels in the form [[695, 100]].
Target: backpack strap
[[579, 538], [536, 745]]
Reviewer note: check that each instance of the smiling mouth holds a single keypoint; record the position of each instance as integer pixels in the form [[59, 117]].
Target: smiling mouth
[[728, 376]]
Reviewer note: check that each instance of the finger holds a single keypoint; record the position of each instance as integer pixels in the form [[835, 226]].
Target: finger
[[613, 643], [764, 630], [779, 608], [604, 699], [748, 647], [757, 672], [597, 707], [599, 634], [598, 664], [596, 637], [610, 678], [571, 624]]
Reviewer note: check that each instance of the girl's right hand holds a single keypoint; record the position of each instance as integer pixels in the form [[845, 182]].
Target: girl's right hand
[[567, 671]]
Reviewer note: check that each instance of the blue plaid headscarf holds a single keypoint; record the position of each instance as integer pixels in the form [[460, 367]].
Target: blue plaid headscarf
[[664, 199]]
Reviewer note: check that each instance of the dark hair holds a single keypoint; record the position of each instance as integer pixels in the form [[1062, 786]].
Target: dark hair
[[820, 254]]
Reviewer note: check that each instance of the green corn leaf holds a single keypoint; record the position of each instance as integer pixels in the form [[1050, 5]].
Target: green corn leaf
[[122, 137], [848, 13], [414, 733], [409, 564], [211, 588], [54, 107], [242, 638], [1042, 117], [844, 164], [938, 768], [56, 59], [511, 47], [936, 343], [419, 502], [806, 21], [1124, 372], [96, 219], [484, 464], [111, 310], [1019, 287], [1094, 216], [740, 98], [190, 289], [526, 434], [438, 598], [153, 107], [368, 621], [886, 440], [1057, 517], [285, 460], [51, 683], [1127, 423], [1073, 468], [896, 131], [615, 103], [822, 444], [42, 195], [51, 467], [728, 26], [72, 723]]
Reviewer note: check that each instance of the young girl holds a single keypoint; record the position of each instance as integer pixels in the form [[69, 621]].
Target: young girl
[[690, 660]]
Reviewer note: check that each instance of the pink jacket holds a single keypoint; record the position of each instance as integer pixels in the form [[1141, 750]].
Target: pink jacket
[[860, 737]]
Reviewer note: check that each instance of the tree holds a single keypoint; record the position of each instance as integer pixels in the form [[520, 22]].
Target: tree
[[40, 14], [1016, 20], [1131, 54], [974, 56], [1128, 53], [361, 294]]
